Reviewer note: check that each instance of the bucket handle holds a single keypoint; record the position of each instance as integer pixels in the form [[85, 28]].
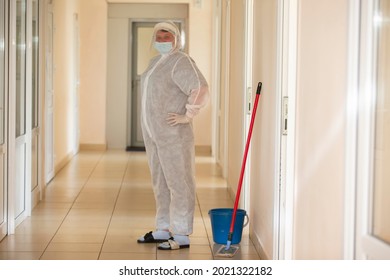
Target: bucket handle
[[247, 220]]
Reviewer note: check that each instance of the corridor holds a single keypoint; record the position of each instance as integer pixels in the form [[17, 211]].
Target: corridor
[[101, 202]]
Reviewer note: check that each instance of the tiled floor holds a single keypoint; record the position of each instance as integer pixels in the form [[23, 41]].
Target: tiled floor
[[101, 202]]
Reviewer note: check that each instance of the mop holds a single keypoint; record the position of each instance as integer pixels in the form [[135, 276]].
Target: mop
[[228, 250]]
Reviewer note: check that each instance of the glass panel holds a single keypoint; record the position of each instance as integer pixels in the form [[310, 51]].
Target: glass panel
[[381, 203], [2, 67], [20, 67], [144, 43], [34, 93], [35, 63]]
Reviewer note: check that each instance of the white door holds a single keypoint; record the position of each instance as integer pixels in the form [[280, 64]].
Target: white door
[[22, 117], [49, 98], [373, 157], [3, 103]]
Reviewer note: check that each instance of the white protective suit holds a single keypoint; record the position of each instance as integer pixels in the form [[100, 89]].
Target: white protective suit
[[172, 83]]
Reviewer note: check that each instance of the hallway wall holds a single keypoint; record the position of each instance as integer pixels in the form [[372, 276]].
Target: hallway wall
[[93, 73], [320, 129], [64, 68], [264, 169], [236, 82]]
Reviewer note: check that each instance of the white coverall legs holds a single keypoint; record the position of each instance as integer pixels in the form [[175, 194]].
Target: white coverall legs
[[174, 185]]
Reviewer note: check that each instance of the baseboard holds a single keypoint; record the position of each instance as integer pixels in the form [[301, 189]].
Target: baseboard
[[62, 163], [258, 246], [35, 197], [203, 150], [135, 149], [93, 147]]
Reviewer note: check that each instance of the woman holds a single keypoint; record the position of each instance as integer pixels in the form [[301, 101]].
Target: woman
[[173, 92]]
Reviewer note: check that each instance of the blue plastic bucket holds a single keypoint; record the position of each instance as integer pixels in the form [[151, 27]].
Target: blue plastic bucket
[[220, 224]]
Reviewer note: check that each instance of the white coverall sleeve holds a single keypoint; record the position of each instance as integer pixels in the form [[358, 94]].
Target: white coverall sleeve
[[190, 80], [197, 100]]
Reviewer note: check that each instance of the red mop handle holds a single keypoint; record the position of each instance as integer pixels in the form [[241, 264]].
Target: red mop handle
[[245, 157]]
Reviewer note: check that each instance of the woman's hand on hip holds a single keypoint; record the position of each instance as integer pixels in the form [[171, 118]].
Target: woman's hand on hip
[[174, 119]]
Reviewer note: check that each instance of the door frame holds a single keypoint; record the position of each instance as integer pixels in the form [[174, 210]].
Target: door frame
[[366, 246], [216, 125], [36, 135], [351, 130], [49, 93], [4, 229], [223, 137], [248, 94], [11, 121], [287, 90]]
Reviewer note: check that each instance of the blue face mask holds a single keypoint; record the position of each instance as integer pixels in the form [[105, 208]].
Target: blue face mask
[[163, 47]]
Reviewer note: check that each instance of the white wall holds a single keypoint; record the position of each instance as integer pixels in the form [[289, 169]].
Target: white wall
[[264, 143], [63, 79], [93, 69], [117, 82], [320, 131], [236, 81]]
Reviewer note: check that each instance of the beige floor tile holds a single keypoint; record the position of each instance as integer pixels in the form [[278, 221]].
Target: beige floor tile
[[87, 220], [79, 238], [195, 252], [74, 247], [184, 256], [82, 230], [127, 256], [97, 196], [65, 196], [132, 223], [194, 249], [91, 209], [94, 206], [66, 180], [201, 240], [20, 255], [70, 256], [28, 238], [22, 246], [128, 246], [39, 226]]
